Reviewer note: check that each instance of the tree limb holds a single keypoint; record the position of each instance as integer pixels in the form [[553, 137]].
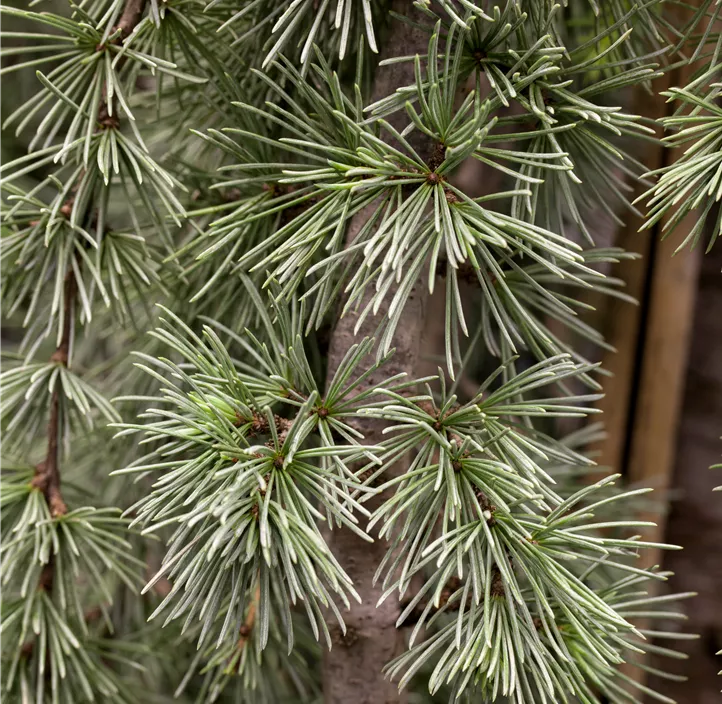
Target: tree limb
[[352, 670], [47, 473], [132, 14]]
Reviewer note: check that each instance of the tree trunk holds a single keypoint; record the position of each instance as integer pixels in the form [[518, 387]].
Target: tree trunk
[[352, 669]]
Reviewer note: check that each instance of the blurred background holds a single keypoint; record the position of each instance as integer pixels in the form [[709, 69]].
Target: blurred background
[[663, 404]]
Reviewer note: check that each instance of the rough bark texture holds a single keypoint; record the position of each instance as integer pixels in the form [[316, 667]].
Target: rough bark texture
[[695, 520], [352, 669]]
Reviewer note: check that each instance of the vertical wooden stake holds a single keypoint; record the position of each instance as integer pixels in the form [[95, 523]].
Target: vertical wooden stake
[[663, 370], [622, 326]]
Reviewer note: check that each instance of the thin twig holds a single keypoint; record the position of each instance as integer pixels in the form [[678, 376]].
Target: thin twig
[[47, 473], [244, 632], [129, 20], [246, 629]]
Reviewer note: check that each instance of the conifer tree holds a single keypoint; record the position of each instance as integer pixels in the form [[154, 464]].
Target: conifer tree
[[230, 473]]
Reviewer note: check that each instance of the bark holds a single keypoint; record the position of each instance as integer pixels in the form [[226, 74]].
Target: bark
[[132, 14], [352, 669], [47, 473]]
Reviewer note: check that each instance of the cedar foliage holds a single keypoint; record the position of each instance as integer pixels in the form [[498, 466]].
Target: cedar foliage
[[176, 249]]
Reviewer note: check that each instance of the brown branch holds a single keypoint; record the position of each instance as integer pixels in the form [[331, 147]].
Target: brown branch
[[465, 272], [132, 14], [451, 586], [47, 472], [259, 425], [497, 582], [496, 589], [244, 632], [246, 629], [129, 20]]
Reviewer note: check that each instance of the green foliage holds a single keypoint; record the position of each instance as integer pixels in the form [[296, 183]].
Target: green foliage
[[229, 162], [691, 186], [255, 504], [503, 532]]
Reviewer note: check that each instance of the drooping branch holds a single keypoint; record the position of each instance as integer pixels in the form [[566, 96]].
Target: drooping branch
[[47, 473]]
